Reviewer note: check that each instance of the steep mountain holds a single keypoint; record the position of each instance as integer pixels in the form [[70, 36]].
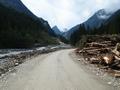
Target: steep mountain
[[59, 34], [17, 5], [110, 26], [21, 30], [57, 31], [20, 7], [68, 34], [114, 17], [98, 19]]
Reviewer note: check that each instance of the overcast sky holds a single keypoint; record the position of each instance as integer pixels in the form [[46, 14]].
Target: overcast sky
[[68, 13]]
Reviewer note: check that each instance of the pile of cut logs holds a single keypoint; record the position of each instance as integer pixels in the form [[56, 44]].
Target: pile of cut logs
[[102, 53]]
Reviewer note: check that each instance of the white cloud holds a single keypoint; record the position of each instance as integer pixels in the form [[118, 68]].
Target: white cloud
[[99, 1], [67, 13]]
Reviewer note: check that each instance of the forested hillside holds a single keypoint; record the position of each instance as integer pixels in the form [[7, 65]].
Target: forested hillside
[[18, 30], [111, 26]]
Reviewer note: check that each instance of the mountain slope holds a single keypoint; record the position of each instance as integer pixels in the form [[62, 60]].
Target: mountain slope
[[20, 7], [17, 5], [57, 31], [110, 26], [20, 30], [98, 19], [68, 34]]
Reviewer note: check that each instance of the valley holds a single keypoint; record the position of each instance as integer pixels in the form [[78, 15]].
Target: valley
[[39, 52], [53, 71]]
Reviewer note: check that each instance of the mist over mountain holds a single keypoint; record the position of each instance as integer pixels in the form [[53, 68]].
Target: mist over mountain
[[98, 19], [95, 21], [105, 23]]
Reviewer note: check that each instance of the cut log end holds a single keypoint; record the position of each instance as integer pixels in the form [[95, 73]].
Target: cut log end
[[108, 59]]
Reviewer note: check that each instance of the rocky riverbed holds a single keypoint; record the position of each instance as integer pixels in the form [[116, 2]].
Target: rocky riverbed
[[10, 58]]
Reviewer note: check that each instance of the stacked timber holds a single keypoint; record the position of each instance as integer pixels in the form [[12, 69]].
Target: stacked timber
[[103, 52]]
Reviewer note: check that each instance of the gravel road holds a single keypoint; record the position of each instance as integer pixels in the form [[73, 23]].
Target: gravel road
[[53, 71]]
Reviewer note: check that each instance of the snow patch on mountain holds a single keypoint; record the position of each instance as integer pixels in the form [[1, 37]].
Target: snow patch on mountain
[[103, 14], [98, 19]]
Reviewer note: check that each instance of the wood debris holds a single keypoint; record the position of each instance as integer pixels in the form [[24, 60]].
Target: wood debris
[[105, 52]]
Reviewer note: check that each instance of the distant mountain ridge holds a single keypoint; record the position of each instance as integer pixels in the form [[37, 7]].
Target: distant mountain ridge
[[95, 21], [110, 25], [98, 19], [57, 31], [68, 34]]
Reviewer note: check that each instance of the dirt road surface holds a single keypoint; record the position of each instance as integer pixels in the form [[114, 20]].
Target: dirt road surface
[[53, 71]]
